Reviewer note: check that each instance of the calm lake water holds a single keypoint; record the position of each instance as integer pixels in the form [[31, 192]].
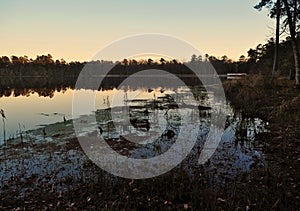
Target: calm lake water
[[152, 114], [33, 111]]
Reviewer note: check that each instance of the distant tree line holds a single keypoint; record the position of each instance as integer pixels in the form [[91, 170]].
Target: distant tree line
[[258, 59], [43, 65]]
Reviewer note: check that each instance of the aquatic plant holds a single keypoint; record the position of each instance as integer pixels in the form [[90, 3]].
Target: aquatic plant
[[3, 120], [21, 135]]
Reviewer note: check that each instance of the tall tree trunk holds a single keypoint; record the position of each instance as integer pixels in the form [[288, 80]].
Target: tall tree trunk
[[292, 26], [276, 53], [297, 61]]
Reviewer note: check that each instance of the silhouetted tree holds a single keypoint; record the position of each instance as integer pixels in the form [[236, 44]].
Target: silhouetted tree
[[293, 16], [206, 57], [275, 11], [125, 62], [162, 61], [149, 61], [242, 59], [174, 61], [44, 59], [289, 10], [133, 62], [200, 58], [15, 60], [4, 61], [194, 58], [224, 58]]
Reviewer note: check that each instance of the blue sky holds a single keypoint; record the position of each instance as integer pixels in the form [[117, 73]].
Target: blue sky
[[77, 30]]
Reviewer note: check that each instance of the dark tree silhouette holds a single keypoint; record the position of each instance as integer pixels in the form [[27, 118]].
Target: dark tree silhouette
[[275, 11], [150, 61], [293, 17], [162, 61], [289, 10]]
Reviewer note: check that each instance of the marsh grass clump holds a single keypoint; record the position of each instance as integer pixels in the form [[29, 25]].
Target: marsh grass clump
[[257, 95]]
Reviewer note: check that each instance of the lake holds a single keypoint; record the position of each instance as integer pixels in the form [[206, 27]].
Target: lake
[[152, 112], [33, 111]]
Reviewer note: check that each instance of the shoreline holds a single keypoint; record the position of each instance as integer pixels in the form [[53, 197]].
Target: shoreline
[[273, 186]]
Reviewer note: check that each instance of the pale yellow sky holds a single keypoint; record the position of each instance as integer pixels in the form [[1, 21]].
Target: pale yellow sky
[[77, 30]]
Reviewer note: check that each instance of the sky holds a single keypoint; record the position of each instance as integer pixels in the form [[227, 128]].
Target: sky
[[77, 29]]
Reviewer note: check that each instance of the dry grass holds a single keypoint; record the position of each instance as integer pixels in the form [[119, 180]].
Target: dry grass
[[276, 101]]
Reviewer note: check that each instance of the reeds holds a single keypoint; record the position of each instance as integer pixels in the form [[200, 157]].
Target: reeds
[[21, 135], [3, 120]]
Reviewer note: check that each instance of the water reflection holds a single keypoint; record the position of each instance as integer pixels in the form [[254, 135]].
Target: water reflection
[[51, 155], [36, 107], [25, 86], [55, 160], [24, 98]]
